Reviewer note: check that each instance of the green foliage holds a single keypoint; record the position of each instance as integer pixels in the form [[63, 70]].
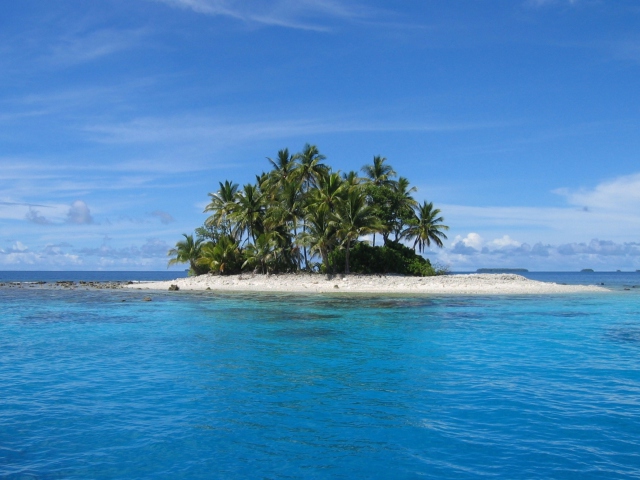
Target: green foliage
[[223, 257], [261, 254], [393, 205], [426, 227], [209, 233], [390, 258], [187, 251], [301, 214]]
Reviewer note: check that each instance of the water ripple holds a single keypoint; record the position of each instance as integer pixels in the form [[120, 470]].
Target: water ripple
[[244, 386]]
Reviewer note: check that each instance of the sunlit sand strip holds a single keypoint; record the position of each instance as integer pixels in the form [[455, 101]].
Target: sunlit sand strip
[[473, 284]]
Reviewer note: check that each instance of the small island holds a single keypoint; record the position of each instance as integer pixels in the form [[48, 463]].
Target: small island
[[587, 270], [302, 227]]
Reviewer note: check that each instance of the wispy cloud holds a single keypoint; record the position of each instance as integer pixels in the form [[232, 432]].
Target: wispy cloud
[[22, 204], [296, 14], [628, 50], [77, 48], [547, 237], [25, 179], [224, 132], [152, 248], [164, 217], [35, 217], [620, 194], [553, 223], [543, 3]]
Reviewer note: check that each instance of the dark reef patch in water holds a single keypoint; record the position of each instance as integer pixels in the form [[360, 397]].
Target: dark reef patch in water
[[314, 332], [627, 333]]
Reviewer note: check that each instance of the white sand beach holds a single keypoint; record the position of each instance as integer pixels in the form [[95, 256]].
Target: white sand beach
[[472, 284]]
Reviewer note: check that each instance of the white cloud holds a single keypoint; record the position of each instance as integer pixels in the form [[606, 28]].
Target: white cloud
[[505, 242], [79, 213], [19, 247], [467, 245]]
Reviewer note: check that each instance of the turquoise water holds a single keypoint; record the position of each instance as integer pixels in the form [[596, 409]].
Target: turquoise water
[[250, 386]]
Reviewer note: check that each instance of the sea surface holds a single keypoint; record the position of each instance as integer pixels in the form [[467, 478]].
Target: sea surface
[[101, 384]]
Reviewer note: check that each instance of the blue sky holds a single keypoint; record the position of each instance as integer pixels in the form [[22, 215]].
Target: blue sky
[[519, 119]]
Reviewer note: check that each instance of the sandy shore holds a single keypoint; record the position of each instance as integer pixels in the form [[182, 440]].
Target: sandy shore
[[473, 284]]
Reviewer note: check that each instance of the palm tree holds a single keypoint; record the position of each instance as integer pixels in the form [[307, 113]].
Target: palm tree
[[310, 166], [378, 173], [427, 227], [262, 252], [402, 206], [222, 205], [330, 191], [284, 215], [351, 179], [249, 210], [379, 191], [353, 219], [309, 170], [187, 251], [320, 235], [283, 166]]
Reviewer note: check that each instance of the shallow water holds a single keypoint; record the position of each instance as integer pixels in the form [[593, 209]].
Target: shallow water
[[237, 386]]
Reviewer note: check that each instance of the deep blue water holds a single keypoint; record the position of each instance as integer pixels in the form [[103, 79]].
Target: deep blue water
[[255, 386]]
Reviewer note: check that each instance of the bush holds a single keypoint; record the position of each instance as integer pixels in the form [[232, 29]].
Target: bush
[[393, 257]]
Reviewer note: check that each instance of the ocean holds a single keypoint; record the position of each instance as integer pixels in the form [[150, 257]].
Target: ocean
[[101, 384]]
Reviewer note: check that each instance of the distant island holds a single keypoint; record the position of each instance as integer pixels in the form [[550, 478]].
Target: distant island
[[587, 270], [502, 270]]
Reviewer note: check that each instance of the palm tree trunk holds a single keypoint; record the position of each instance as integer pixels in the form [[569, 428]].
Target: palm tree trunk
[[346, 258], [306, 261], [325, 260], [295, 235]]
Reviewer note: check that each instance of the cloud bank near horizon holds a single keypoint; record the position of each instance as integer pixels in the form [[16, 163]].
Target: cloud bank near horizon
[[473, 251], [466, 253]]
